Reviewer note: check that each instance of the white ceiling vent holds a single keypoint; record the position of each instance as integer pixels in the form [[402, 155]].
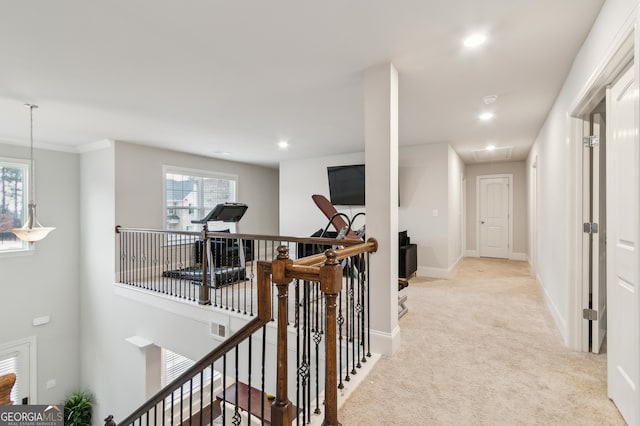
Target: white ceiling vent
[[498, 154]]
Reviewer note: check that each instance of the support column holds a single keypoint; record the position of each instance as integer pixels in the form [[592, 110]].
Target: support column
[[381, 159]]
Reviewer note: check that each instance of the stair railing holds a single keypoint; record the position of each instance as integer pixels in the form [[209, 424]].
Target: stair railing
[[149, 410], [327, 270]]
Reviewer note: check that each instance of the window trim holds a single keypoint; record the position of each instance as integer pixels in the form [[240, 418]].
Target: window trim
[[26, 247], [166, 168], [29, 345]]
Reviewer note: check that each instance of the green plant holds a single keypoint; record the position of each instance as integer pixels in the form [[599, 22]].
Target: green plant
[[78, 408]]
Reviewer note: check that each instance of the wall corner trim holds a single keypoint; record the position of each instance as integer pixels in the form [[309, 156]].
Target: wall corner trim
[[138, 341]]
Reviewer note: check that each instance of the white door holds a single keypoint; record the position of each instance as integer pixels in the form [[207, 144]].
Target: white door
[[623, 342], [494, 216], [598, 239]]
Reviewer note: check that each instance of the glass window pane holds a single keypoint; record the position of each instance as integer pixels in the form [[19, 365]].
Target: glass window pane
[[191, 196], [13, 200]]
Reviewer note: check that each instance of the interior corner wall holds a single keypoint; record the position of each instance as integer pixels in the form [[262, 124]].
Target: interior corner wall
[[123, 184], [518, 170], [456, 171], [139, 187], [299, 180], [423, 173], [45, 282], [554, 152]]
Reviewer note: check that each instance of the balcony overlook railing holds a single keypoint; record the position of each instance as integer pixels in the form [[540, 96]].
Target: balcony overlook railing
[[310, 295]]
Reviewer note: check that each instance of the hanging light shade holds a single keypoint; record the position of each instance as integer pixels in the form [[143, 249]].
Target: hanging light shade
[[32, 230]]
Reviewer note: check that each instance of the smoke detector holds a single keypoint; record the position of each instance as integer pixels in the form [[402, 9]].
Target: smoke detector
[[489, 99]]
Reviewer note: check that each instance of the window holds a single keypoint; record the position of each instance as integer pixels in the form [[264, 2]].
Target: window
[[175, 364], [9, 364], [19, 357], [190, 194], [13, 202]]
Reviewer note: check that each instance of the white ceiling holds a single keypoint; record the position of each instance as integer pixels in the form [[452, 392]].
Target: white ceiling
[[213, 76]]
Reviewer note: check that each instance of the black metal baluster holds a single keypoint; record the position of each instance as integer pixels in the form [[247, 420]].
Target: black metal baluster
[[297, 326], [317, 338], [211, 390], [356, 273], [264, 347], [181, 400], [201, 394], [236, 415], [368, 309], [249, 377], [190, 399], [361, 277], [243, 272], [352, 294], [347, 378], [340, 338], [164, 410], [304, 367], [224, 389], [172, 405]]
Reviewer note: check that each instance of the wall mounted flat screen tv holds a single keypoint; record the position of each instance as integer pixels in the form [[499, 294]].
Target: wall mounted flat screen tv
[[346, 185]]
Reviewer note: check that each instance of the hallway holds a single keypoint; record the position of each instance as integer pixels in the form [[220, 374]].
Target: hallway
[[482, 348]]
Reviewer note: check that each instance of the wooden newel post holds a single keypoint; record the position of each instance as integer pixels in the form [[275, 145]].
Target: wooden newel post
[[330, 285], [281, 408], [204, 296]]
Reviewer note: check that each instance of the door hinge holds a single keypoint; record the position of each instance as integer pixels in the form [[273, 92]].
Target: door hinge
[[590, 314], [590, 141], [590, 228]]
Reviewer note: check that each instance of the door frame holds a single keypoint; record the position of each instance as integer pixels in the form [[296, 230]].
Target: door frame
[[503, 175], [533, 187], [624, 49]]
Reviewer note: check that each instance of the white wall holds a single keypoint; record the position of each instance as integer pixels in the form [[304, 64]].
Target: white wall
[[123, 184], [139, 187], [46, 281], [517, 169], [429, 179], [299, 180], [555, 156], [424, 176]]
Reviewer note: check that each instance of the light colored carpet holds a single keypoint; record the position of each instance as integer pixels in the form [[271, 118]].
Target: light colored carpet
[[482, 349]]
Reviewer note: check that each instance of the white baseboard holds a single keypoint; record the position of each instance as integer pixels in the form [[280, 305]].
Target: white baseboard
[[560, 321], [428, 271], [385, 343], [471, 253], [519, 256]]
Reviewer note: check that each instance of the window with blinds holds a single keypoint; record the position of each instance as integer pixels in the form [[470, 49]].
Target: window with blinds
[[176, 364], [9, 364]]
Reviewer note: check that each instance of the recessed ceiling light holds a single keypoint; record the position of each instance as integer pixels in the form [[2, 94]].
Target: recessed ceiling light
[[491, 147], [486, 116], [475, 40], [283, 144], [222, 153]]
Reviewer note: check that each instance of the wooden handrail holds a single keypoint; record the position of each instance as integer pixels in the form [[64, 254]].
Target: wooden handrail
[[280, 238], [263, 317], [371, 246]]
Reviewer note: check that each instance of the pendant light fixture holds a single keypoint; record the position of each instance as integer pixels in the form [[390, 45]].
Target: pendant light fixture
[[31, 231]]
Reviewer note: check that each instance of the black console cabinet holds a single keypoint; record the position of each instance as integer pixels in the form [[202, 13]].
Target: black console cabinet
[[408, 257]]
